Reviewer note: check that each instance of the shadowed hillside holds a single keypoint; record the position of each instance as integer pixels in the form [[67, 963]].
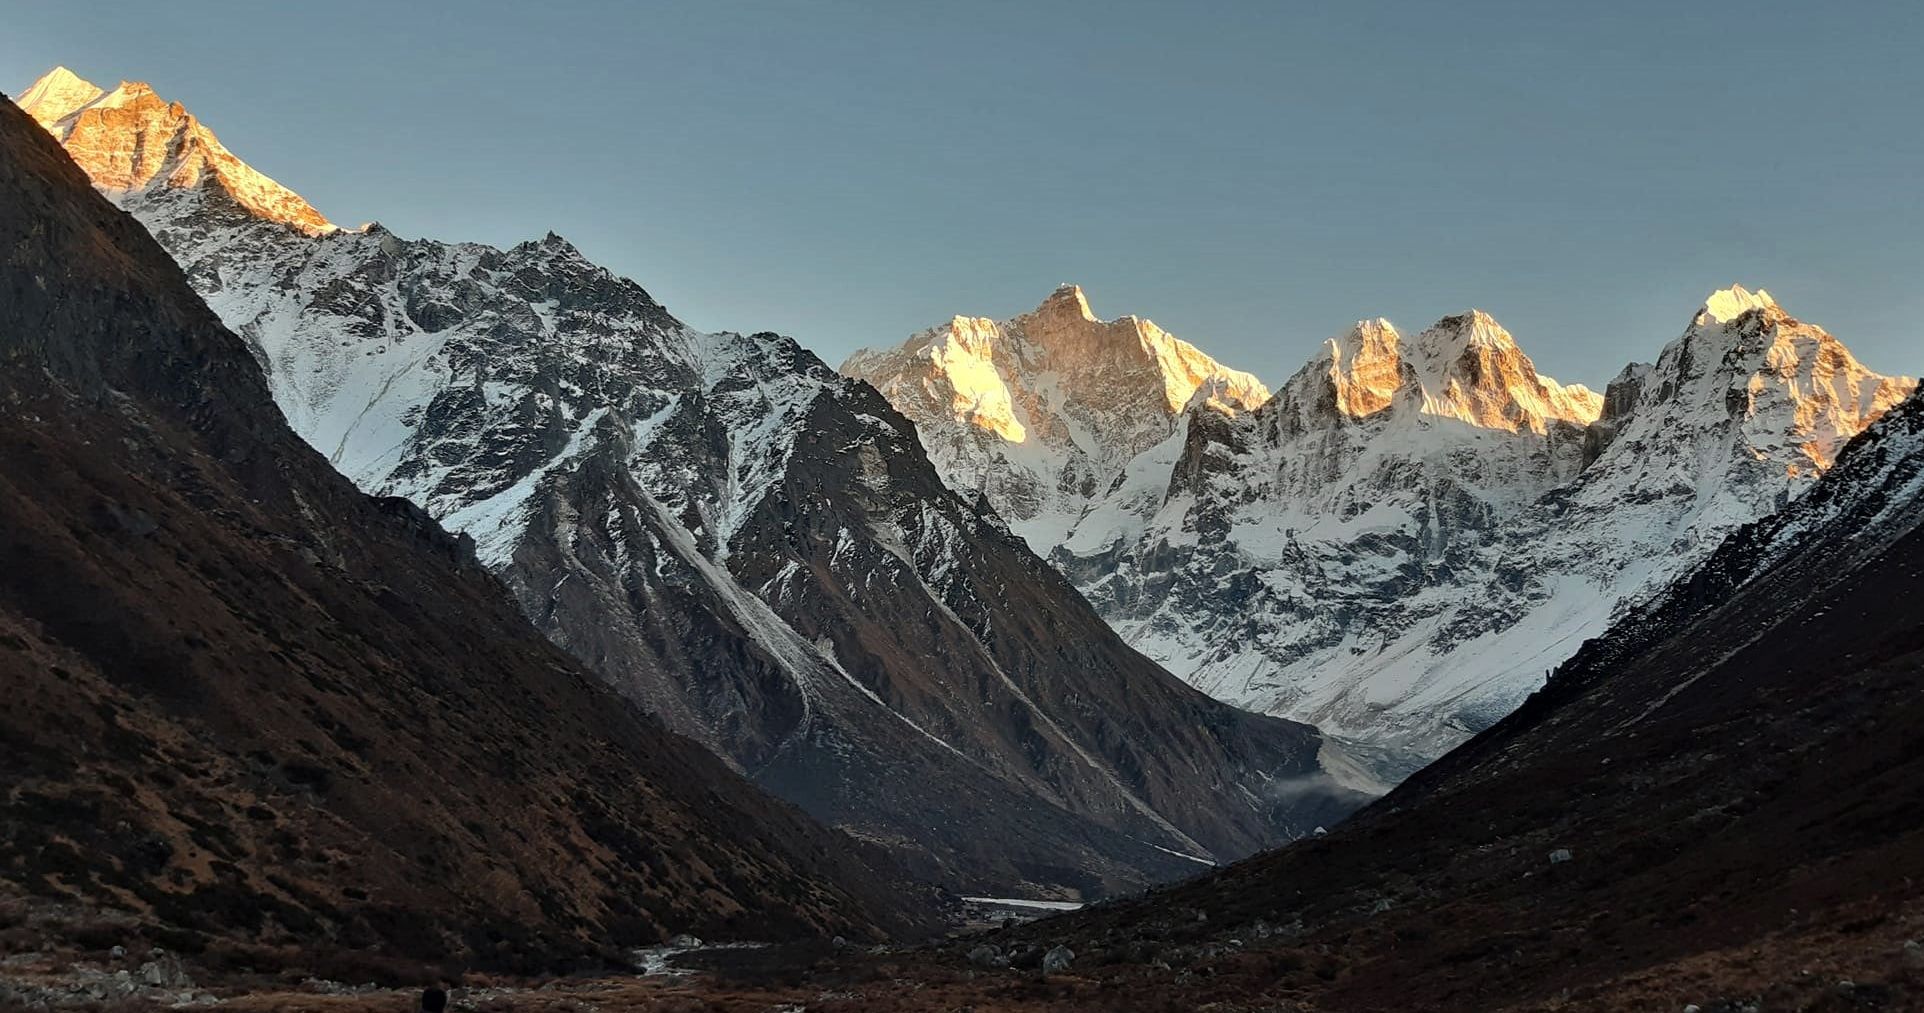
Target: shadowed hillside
[[250, 703]]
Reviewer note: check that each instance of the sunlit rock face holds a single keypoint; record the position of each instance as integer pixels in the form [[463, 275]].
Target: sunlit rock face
[[1041, 412], [1459, 401], [132, 142], [747, 544], [1466, 367], [1800, 393], [1401, 541]]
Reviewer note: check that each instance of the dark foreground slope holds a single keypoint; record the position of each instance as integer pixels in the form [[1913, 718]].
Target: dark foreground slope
[[1736, 773], [243, 699]]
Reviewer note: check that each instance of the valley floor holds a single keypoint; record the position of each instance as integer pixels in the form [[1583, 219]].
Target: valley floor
[[1854, 959]]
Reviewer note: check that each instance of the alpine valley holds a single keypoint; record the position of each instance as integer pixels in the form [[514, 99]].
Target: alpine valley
[[1400, 542], [734, 536], [403, 623]]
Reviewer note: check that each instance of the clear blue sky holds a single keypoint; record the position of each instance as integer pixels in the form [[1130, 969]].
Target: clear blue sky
[[1252, 176]]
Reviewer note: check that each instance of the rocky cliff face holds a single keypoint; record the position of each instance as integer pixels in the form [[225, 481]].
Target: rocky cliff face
[[1401, 542], [751, 546], [1038, 413], [250, 705]]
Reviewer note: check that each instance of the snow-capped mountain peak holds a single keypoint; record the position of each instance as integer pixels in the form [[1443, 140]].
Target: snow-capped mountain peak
[[1068, 301], [1370, 347], [1471, 369], [1365, 366], [1727, 304], [1465, 367], [1039, 412], [1065, 335], [57, 93], [1477, 329], [137, 146], [1793, 392]]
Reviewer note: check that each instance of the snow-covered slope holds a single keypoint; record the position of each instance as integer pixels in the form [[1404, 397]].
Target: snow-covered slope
[[1731, 770], [1402, 541], [1039, 413], [1734, 419], [746, 542], [1286, 548], [1351, 439]]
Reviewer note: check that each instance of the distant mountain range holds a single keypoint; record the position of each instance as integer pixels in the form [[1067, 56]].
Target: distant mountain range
[[732, 535], [1718, 802], [1405, 538]]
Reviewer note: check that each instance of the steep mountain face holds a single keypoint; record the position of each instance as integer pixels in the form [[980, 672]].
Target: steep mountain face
[[1400, 543], [1385, 458], [134, 143], [249, 703], [1040, 412], [752, 547], [1718, 802], [1405, 567]]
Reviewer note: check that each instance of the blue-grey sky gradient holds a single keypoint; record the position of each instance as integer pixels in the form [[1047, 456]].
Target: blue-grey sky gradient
[[1253, 176]]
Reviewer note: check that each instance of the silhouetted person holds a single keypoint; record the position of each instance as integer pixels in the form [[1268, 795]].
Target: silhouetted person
[[433, 1000]]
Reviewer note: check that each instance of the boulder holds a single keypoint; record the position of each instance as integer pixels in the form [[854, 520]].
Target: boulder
[[1057, 959]]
